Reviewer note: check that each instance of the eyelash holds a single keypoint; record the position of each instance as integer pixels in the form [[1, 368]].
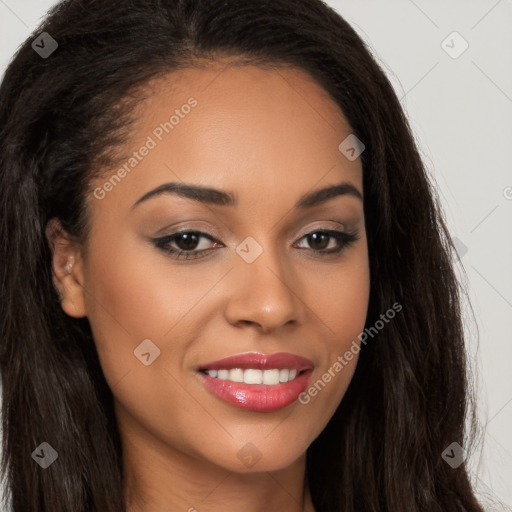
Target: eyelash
[[345, 239]]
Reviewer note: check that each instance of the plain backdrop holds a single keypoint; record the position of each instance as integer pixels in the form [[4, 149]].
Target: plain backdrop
[[451, 64]]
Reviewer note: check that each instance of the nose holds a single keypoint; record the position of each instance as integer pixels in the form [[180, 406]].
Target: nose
[[264, 293]]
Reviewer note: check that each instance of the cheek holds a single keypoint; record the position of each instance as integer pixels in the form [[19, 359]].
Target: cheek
[[134, 294], [340, 301], [339, 296], [129, 301], [125, 302], [132, 290]]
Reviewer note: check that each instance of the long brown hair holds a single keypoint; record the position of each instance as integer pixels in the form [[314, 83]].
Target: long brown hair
[[59, 122]]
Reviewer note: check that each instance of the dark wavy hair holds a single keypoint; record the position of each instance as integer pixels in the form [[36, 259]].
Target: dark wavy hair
[[62, 119]]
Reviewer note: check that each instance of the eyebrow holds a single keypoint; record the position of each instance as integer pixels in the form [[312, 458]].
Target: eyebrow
[[224, 198]]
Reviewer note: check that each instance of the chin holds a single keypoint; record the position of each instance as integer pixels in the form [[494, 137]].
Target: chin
[[260, 457]]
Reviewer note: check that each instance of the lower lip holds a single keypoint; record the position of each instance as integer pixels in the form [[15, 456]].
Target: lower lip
[[257, 397]]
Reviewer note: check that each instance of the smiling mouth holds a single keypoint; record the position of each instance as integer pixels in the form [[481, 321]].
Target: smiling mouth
[[257, 382]]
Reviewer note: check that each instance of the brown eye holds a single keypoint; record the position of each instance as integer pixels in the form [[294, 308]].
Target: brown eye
[[319, 240], [183, 244], [187, 241]]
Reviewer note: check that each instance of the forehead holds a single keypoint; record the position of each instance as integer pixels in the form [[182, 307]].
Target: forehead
[[260, 132]]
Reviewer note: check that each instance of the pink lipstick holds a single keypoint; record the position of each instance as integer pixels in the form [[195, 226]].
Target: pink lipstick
[[257, 382]]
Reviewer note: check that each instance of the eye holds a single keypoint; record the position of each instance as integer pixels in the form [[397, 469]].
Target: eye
[[184, 244], [187, 243], [320, 240]]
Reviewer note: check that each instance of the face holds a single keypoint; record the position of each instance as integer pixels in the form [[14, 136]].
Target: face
[[263, 273]]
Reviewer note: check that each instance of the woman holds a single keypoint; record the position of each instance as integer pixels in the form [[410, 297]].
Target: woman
[[226, 279]]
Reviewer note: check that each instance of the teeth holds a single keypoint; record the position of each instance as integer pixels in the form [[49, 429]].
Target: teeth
[[271, 377], [223, 374], [283, 375], [252, 376], [236, 375]]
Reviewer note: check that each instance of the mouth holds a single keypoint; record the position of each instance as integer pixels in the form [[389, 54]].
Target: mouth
[[257, 382]]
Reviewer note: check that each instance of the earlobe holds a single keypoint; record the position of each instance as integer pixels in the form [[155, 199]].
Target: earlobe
[[69, 282], [67, 269]]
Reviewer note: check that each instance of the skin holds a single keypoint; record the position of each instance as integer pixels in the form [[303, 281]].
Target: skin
[[269, 137]]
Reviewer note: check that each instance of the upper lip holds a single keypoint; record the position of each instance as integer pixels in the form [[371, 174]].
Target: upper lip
[[260, 361]]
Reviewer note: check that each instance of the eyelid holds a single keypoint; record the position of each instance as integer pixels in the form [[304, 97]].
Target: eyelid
[[175, 234], [201, 227], [339, 226]]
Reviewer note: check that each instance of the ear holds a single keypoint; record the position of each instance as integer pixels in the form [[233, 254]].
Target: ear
[[67, 269]]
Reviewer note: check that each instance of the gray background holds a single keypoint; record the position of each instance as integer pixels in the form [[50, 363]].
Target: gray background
[[460, 108]]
